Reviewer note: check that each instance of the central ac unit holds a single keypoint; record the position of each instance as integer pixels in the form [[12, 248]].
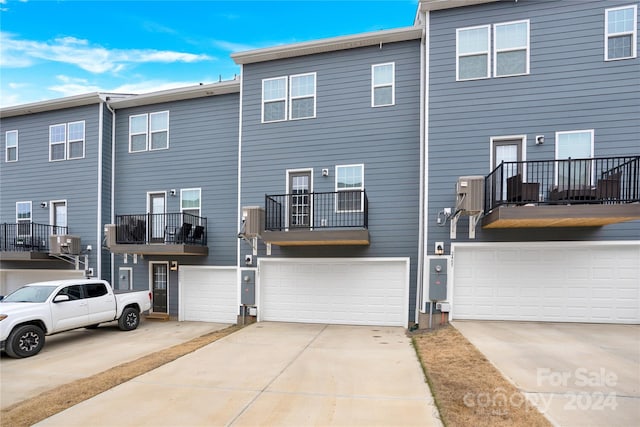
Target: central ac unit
[[253, 218], [64, 244], [470, 194]]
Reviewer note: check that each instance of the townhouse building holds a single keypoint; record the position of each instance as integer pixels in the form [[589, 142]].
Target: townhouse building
[[484, 162], [533, 170]]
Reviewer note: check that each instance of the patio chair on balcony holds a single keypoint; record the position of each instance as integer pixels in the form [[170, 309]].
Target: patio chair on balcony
[[198, 235], [608, 188], [521, 192], [183, 233]]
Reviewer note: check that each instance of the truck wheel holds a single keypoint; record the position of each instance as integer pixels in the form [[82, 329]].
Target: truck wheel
[[129, 320], [24, 341]]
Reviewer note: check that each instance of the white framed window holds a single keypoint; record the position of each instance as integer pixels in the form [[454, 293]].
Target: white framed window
[[620, 33], [149, 132], [159, 130], [383, 91], [274, 99], [66, 141], [289, 98], [57, 142], [576, 145], [23, 218], [191, 201], [349, 188], [137, 133], [75, 143], [11, 146], [511, 49], [303, 96], [472, 53]]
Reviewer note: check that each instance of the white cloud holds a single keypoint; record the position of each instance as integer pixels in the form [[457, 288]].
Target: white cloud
[[16, 53]]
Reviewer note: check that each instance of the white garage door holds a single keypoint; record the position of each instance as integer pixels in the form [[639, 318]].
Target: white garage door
[[353, 291], [10, 280], [551, 281], [208, 294]]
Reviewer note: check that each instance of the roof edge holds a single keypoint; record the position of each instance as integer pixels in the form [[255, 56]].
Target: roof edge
[[177, 94], [58, 103], [327, 45], [428, 5]]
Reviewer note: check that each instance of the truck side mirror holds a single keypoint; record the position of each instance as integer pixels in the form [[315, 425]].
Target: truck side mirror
[[61, 298]]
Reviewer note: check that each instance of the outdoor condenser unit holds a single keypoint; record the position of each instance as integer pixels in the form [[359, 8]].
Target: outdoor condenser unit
[[470, 194], [64, 244], [253, 217]]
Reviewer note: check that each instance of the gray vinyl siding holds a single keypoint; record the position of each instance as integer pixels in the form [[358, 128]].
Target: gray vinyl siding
[[34, 178], [345, 131], [570, 87], [107, 134], [203, 153]]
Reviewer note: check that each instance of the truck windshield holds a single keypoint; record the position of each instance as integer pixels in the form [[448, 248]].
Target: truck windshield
[[30, 294]]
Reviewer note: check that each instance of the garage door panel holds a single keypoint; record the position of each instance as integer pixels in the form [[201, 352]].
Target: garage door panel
[[208, 294], [338, 291], [596, 283]]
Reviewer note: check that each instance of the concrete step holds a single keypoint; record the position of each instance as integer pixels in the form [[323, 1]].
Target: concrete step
[[157, 316]]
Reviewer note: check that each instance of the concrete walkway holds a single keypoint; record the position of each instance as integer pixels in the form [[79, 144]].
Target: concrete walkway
[[81, 353], [576, 374], [275, 374]]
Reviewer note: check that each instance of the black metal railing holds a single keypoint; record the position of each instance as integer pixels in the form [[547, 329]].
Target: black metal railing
[[317, 211], [170, 228], [609, 180], [27, 236]]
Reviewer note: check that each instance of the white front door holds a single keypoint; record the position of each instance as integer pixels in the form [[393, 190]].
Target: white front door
[[506, 150], [59, 213]]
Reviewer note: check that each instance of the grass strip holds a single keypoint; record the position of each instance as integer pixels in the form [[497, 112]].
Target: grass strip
[[468, 390]]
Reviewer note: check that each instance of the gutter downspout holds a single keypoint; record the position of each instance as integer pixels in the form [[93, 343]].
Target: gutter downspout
[[239, 220], [99, 213], [424, 165]]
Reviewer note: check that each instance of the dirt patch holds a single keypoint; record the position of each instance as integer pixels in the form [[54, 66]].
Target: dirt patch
[[468, 390], [38, 408]]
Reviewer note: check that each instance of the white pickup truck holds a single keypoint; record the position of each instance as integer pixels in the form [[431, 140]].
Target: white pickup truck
[[46, 308]]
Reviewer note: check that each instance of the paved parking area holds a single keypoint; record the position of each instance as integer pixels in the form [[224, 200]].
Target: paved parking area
[[81, 353], [577, 374], [275, 374]]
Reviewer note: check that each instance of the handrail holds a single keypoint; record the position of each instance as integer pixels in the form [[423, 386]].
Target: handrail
[[28, 236], [597, 180], [317, 211], [168, 228]]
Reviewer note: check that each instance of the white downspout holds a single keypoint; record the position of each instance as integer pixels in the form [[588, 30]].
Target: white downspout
[[98, 246], [239, 219], [424, 166], [113, 182]]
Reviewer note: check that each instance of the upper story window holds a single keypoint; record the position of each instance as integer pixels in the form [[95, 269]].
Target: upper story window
[[510, 50], [472, 46], [289, 97], [148, 132], [190, 201], [620, 33], [23, 218], [349, 187], [66, 141], [383, 85], [11, 145]]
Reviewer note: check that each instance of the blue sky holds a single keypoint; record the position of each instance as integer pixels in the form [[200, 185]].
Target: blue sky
[[52, 49]]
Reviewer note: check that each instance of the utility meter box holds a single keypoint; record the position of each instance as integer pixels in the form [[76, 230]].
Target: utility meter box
[[248, 286], [438, 279]]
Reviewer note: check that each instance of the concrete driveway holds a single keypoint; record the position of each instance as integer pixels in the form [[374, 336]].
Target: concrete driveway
[[576, 374], [275, 374], [81, 353]]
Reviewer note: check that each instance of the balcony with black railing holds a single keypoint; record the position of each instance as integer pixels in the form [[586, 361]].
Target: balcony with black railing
[[158, 234], [331, 218], [563, 193], [27, 240]]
